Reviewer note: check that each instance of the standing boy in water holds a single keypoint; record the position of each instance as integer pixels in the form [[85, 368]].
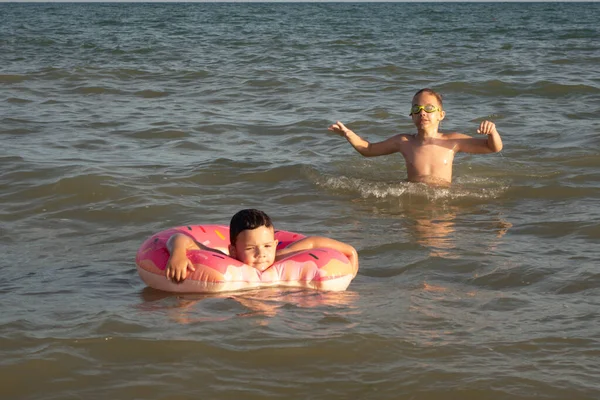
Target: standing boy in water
[[252, 241], [428, 153]]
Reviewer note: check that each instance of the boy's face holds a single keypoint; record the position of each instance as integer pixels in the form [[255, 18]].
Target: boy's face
[[255, 247], [423, 119]]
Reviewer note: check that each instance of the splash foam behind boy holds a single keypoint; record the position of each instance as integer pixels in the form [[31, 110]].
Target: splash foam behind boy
[[428, 154]]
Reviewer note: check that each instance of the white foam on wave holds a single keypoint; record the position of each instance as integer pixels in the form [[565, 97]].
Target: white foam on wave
[[474, 188]]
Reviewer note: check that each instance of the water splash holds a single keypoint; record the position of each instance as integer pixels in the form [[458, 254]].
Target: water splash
[[463, 189]]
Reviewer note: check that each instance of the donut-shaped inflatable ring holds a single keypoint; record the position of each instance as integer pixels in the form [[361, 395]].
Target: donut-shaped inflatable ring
[[322, 268]]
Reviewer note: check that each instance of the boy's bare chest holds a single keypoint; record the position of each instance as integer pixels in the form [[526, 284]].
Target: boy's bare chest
[[434, 154]]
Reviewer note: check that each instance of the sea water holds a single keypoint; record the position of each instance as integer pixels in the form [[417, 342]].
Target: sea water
[[120, 120]]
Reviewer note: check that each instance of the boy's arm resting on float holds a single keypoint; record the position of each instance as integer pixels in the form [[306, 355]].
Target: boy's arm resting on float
[[178, 263], [313, 242], [364, 147], [468, 144]]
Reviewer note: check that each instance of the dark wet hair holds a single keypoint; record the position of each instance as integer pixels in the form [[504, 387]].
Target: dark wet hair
[[247, 219], [433, 92]]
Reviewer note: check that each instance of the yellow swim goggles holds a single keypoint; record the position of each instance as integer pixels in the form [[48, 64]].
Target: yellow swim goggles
[[429, 108]]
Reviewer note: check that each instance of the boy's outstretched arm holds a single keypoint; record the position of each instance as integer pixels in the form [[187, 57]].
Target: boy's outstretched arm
[[178, 263], [313, 242], [493, 144], [364, 147]]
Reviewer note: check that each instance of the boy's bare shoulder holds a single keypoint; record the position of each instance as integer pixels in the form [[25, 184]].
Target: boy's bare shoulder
[[454, 135], [403, 137]]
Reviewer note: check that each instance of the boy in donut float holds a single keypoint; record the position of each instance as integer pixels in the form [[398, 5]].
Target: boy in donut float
[[253, 242]]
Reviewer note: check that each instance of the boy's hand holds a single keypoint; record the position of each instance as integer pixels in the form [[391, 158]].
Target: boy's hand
[[487, 128], [339, 128], [177, 267]]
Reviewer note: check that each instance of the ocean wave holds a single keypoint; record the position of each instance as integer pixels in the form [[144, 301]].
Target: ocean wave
[[543, 89], [13, 78], [94, 90], [151, 94], [16, 100]]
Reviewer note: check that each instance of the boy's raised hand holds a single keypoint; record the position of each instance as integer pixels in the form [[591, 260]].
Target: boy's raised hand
[[339, 128], [487, 128]]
